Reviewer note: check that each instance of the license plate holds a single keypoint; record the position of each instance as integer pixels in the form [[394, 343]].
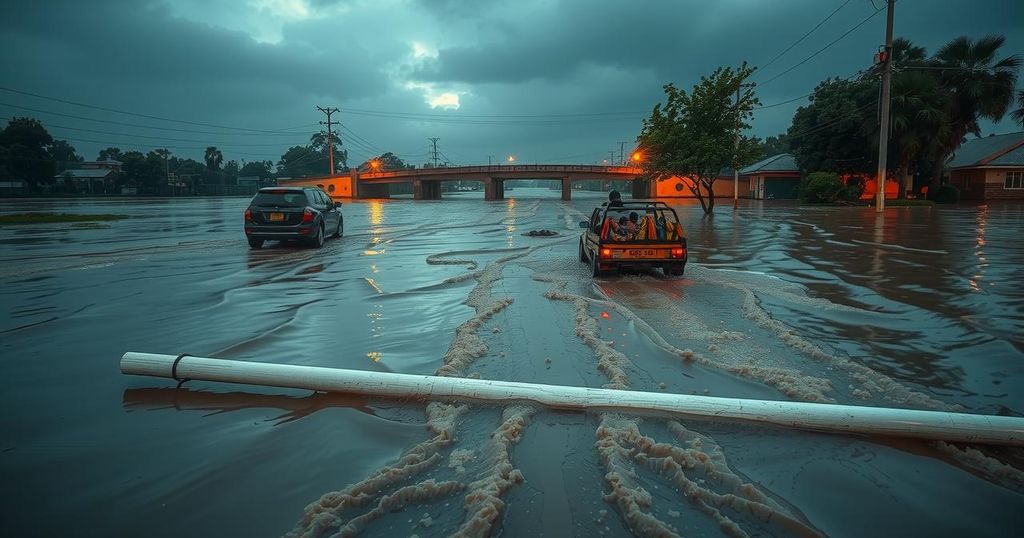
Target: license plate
[[642, 253], [277, 217]]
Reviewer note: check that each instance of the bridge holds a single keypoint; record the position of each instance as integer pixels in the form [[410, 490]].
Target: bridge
[[426, 182]]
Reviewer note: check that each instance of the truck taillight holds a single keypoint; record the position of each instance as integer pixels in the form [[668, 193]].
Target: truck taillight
[[307, 215], [248, 215], [678, 252], [606, 253]]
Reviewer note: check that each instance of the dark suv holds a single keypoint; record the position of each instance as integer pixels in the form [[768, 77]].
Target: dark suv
[[282, 213]]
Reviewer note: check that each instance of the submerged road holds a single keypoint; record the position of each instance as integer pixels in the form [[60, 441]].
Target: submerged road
[[920, 309]]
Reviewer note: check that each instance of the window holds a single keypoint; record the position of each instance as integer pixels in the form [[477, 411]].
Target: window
[[1014, 180]]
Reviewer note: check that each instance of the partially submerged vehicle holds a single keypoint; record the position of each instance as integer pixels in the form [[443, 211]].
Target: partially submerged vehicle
[[634, 234]]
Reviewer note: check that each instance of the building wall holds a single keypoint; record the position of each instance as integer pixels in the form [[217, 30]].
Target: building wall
[[994, 185], [676, 188]]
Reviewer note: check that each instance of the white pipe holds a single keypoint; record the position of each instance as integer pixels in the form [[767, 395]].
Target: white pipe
[[984, 429]]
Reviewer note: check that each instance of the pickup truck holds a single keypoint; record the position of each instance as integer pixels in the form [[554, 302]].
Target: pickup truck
[[649, 235]]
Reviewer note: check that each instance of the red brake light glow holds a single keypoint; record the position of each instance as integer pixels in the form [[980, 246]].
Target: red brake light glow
[[606, 253], [248, 215], [678, 252], [307, 215]]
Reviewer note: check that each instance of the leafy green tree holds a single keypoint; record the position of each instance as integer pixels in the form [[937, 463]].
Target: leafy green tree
[[231, 172], [918, 121], [25, 144], [64, 155], [213, 158], [261, 169], [319, 143], [109, 154], [774, 145], [693, 135], [833, 132]]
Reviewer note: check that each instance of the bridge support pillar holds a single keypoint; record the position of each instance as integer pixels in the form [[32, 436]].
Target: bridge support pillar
[[566, 189], [643, 189], [363, 190], [494, 189], [426, 190]]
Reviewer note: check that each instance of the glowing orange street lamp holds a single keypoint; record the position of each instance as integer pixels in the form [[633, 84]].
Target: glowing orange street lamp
[[375, 164], [636, 157]]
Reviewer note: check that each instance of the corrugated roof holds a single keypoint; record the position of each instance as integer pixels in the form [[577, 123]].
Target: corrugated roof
[[89, 173], [974, 151], [783, 162]]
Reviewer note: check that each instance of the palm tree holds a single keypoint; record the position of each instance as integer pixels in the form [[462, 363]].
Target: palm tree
[[977, 86], [213, 158], [918, 121], [1018, 115]]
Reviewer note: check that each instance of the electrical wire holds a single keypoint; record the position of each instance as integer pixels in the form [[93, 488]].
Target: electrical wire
[[809, 32], [819, 51]]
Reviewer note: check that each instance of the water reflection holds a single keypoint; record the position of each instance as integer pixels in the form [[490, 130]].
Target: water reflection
[[185, 399]]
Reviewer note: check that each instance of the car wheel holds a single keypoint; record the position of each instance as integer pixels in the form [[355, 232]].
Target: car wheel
[[595, 269], [318, 241], [341, 227], [676, 269], [583, 253], [255, 243]]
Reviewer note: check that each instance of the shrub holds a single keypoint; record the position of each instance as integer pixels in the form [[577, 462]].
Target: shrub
[[946, 194], [822, 187]]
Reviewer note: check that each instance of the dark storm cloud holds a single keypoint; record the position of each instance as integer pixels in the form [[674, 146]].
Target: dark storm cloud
[[190, 60]]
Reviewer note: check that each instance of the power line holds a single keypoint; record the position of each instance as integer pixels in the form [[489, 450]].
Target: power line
[[809, 32], [212, 142], [434, 141], [282, 133], [127, 113], [819, 51]]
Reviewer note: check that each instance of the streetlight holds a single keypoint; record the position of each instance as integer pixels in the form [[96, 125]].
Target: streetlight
[[636, 157], [511, 159], [375, 164]]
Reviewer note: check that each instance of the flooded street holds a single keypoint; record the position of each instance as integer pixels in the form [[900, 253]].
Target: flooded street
[[920, 308]]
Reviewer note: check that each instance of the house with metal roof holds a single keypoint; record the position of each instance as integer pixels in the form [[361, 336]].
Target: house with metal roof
[[774, 178], [990, 168]]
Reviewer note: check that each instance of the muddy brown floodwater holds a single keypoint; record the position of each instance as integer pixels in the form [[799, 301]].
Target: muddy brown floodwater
[[919, 308]]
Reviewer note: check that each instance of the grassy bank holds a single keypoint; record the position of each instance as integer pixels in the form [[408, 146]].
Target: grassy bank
[[42, 218]]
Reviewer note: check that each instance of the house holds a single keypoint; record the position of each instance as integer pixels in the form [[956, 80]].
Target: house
[[990, 168], [676, 187], [774, 178]]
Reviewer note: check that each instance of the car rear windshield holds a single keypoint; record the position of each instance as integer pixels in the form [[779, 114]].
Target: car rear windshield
[[280, 199]]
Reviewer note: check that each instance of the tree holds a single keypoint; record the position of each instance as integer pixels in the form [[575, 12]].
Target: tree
[[386, 161], [318, 143], [213, 158], [231, 172], [1018, 115], [109, 154], [774, 145], [64, 155], [261, 169], [918, 122], [693, 135], [833, 132], [25, 142], [977, 85]]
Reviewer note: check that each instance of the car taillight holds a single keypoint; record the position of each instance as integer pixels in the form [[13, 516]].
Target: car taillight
[[248, 215], [606, 253], [678, 252], [307, 215]]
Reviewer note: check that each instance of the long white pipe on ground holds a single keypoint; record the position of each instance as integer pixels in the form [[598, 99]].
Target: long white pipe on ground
[[984, 429]]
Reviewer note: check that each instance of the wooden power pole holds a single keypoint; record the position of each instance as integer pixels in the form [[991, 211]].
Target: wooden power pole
[[330, 135], [883, 135]]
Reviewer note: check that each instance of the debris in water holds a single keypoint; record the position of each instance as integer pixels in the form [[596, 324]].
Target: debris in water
[[375, 356], [605, 315]]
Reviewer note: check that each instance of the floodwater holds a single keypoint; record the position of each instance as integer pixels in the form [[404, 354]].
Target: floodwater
[[919, 308]]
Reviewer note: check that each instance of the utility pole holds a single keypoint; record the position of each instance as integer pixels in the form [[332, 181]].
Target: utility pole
[[434, 141], [611, 157], [330, 135], [622, 146], [883, 135], [736, 151]]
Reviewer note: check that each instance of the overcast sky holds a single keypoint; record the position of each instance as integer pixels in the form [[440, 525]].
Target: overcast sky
[[544, 80]]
